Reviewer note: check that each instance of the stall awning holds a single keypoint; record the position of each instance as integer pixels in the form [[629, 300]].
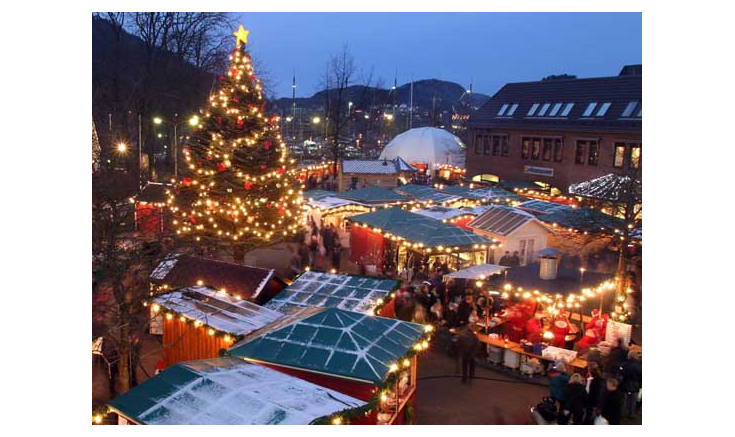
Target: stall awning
[[425, 193], [416, 228], [475, 272]]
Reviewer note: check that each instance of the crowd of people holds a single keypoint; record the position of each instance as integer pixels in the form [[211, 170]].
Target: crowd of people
[[320, 244], [610, 392]]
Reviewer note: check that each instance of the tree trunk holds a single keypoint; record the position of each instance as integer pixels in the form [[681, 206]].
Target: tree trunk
[[123, 374]]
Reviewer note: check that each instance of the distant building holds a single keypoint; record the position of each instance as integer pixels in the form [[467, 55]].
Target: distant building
[[559, 132]]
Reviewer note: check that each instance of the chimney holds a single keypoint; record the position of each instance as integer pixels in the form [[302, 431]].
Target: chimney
[[549, 260]]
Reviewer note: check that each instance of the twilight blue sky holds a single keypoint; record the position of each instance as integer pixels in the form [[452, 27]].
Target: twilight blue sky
[[489, 48]]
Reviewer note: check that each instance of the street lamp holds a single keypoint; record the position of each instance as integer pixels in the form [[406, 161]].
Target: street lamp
[[121, 147], [316, 120], [193, 122]]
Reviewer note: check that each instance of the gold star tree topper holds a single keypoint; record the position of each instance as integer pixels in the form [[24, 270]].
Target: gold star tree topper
[[241, 35]]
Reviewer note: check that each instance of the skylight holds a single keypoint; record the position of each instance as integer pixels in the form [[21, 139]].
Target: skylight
[[603, 109], [629, 109], [590, 108], [512, 109], [566, 110], [502, 109], [555, 109], [532, 110], [640, 110], [543, 110]]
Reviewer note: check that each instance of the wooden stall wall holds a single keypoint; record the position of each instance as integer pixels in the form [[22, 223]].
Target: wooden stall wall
[[184, 342], [367, 244]]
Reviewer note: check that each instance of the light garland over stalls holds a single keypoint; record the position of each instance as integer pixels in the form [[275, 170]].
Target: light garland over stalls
[[242, 185]]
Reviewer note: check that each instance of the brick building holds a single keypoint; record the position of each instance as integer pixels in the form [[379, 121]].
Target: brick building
[[560, 131]]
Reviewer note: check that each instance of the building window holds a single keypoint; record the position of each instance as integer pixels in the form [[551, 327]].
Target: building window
[[502, 109], [579, 152], [555, 110], [558, 149], [532, 110], [512, 109], [590, 108], [478, 145], [536, 150], [603, 110], [635, 156], [566, 110], [486, 145], [546, 155], [543, 110], [628, 111], [619, 157], [496, 145], [525, 147], [504, 149], [594, 153]]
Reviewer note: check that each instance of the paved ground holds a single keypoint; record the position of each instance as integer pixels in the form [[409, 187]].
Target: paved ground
[[491, 399]]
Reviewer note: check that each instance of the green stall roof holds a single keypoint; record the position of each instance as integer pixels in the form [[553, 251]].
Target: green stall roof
[[419, 229], [332, 341], [425, 193], [228, 391], [583, 219], [314, 289], [317, 194], [373, 195]]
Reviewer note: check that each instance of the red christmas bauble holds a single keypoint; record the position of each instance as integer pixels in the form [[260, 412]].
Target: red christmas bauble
[[240, 123], [221, 167], [248, 185], [267, 145], [236, 100], [263, 166], [219, 120], [281, 210], [192, 219], [221, 78], [281, 170], [186, 181], [233, 72], [209, 157]]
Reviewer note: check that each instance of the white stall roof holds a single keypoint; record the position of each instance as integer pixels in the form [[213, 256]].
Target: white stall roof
[[331, 202], [440, 212], [219, 310], [475, 272], [228, 391]]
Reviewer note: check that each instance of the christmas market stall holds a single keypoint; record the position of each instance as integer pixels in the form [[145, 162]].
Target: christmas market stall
[[225, 391], [393, 237], [545, 315], [331, 210], [199, 321], [353, 293], [377, 196], [242, 282], [356, 174], [367, 357], [427, 195], [521, 234], [150, 208], [456, 216]]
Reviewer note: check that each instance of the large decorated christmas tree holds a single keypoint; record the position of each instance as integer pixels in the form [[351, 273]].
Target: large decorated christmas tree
[[239, 190]]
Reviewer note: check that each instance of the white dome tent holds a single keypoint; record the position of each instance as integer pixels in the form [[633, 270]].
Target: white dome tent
[[426, 145]]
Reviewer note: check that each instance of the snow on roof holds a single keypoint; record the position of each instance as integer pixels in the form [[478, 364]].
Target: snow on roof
[[369, 167], [476, 210], [181, 270], [440, 212], [314, 289], [221, 311], [612, 187], [475, 272], [331, 202], [501, 220], [425, 193], [316, 194], [543, 207], [402, 165], [228, 391], [333, 341], [427, 145]]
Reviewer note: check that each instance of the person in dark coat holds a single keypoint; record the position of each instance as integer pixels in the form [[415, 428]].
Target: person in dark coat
[[576, 399], [515, 260], [558, 380], [328, 242], [611, 406], [336, 251], [467, 343], [505, 260], [612, 363], [595, 391], [451, 316], [632, 382], [465, 308], [455, 290]]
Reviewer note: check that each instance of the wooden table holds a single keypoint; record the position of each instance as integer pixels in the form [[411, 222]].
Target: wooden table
[[578, 363]]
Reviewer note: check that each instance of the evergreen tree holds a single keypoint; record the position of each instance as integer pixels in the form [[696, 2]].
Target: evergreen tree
[[239, 190]]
